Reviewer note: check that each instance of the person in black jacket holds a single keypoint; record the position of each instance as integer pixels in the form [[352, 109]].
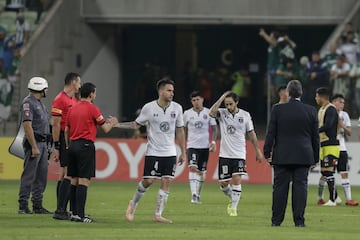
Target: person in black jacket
[[292, 147]]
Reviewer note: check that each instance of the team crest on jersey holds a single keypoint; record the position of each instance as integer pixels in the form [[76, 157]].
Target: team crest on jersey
[[164, 126], [205, 116], [230, 129], [198, 124], [241, 120], [172, 114]]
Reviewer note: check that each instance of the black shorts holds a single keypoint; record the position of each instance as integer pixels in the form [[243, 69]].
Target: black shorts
[[342, 164], [329, 161], [158, 167], [81, 159], [229, 167], [198, 157], [63, 152]]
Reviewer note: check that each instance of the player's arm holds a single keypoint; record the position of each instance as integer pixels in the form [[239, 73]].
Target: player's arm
[[214, 132], [253, 139], [214, 108], [330, 116], [67, 136], [180, 135], [29, 134], [128, 125], [56, 120]]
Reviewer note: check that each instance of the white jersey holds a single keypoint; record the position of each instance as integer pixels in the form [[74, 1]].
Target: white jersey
[[197, 124], [233, 133], [344, 116], [161, 125]]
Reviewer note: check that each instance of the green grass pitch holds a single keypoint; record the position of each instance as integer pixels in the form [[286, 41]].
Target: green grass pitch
[[107, 202]]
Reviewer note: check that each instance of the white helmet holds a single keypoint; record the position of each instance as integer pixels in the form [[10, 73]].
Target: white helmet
[[37, 84]]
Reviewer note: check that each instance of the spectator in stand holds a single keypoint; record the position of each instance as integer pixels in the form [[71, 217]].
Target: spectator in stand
[[273, 59], [355, 73], [340, 76], [348, 28], [318, 76], [286, 48], [350, 48], [330, 57], [285, 72], [2, 37], [22, 34]]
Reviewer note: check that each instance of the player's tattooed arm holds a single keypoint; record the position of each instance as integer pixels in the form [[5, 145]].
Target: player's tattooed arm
[[128, 125]]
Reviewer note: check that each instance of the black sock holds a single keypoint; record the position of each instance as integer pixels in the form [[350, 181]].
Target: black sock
[[73, 199], [63, 195], [81, 192], [58, 188]]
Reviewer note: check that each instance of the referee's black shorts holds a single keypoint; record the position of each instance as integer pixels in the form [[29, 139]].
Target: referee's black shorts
[[64, 153], [81, 159]]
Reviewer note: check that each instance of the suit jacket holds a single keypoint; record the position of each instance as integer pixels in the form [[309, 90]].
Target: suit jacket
[[292, 136]]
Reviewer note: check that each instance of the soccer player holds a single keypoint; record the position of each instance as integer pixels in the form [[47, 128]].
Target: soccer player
[[60, 108], [342, 166], [329, 143], [197, 123], [163, 118], [83, 119], [235, 124]]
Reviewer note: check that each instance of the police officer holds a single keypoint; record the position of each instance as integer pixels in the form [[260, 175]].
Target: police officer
[[35, 120]]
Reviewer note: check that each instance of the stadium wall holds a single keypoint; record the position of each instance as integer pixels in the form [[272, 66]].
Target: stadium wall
[[123, 159]]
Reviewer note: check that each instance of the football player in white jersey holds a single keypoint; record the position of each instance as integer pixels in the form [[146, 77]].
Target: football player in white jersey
[[342, 166], [197, 124], [235, 124], [163, 118]]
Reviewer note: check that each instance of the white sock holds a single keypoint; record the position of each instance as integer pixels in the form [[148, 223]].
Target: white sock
[[161, 201], [235, 195], [226, 190], [201, 182], [347, 188], [193, 180], [139, 193], [321, 188]]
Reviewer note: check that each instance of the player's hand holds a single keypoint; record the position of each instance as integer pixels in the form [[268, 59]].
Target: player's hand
[[112, 120], [181, 159], [259, 156], [212, 146], [55, 156]]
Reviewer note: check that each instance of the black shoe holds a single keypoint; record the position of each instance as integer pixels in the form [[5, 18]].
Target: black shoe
[[25, 210], [85, 219], [61, 215], [275, 225], [41, 210]]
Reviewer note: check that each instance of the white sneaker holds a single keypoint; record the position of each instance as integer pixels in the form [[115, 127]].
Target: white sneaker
[[338, 200], [330, 204], [195, 199]]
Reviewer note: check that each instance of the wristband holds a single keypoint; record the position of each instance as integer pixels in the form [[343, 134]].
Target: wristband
[[57, 145], [213, 142]]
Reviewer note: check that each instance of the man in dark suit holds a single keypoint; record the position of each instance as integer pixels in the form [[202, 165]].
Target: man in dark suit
[[292, 147]]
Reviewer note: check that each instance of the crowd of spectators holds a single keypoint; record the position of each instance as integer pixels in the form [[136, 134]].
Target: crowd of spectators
[[337, 70]]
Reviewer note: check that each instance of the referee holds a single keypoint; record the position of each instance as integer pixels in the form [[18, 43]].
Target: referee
[[82, 122]]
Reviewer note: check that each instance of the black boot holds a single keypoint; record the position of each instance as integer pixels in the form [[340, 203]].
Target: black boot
[[23, 208], [39, 209]]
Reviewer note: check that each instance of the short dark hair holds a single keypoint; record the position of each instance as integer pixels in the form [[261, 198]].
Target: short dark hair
[[323, 92], [336, 96], [162, 82], [233, 96], [71, 76], [195, 94], [282, 87], [294, 88], [86, 89]]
